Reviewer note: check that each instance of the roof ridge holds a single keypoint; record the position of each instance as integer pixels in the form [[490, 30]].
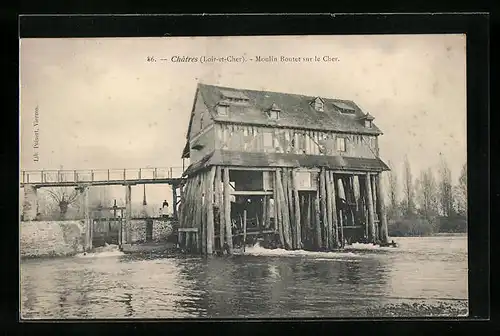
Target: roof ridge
[[274, 92]]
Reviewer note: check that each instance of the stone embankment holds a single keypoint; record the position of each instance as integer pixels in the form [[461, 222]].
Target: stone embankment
[[51, 238]]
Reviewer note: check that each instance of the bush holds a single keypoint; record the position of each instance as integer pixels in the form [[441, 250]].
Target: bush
[[410, 226], [452, 224]]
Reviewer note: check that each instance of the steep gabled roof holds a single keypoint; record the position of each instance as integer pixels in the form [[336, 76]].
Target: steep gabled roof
[[297, 111]]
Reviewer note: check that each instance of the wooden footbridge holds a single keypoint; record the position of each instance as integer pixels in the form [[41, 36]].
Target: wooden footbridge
[[100, 177], [32, 180]]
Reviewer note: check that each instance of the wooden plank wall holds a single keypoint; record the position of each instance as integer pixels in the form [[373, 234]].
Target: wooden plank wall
[[281, 140]]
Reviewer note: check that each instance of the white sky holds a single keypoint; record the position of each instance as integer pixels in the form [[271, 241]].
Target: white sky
[[101, 105]]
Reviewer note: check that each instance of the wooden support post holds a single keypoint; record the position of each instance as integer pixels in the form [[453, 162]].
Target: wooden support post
[[227, 211], [287, 206], [220, 205], [333, 201], [329, 207], [86, 216], [317, 214], [337, 184], [244, 229], [277, 212], [128, 213], [375, 212], [174, 202], [371, 217], [308, 219], [384, 233], [298, 230], [283, 206], [324, 210], [210, 213], [201, 216], [181, 205]]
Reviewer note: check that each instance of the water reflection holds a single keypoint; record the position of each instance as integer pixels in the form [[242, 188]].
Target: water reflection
[[241, 286]]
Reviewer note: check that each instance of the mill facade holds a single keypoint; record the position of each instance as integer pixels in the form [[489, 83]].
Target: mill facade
[[294, 171]]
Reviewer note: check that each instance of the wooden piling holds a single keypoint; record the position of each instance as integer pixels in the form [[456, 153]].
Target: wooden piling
[[198, 214], [330, 208], [375, 212], [324, 210], [333, 204], [244, 229], [287, 189], [284, 211], [371, 217], [220, 205], [337, 184], [384, 234], [210, 212], [227, 211], [317, 214], [298, 229], [308, 220], [277, 210]]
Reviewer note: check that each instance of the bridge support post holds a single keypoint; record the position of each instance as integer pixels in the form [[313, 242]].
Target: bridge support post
[[85, 214], [174, 201], [128, 213], [30, 205]]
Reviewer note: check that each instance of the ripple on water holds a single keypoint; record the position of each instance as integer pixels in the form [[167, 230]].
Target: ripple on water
[[422, 277]]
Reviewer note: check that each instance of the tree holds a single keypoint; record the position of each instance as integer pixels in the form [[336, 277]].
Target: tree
[[445, 189], [393, 192], [461, 192], [409, 192], [63, 199], [427, 195]]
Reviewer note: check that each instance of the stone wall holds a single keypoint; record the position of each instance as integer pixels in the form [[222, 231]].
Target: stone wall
[[51, 238], [161, 230]]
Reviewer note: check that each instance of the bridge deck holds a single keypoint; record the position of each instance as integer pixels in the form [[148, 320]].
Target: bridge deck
[[101, 177]]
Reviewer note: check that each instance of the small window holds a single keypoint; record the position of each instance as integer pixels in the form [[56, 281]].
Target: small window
[[341, 144], [274, 114], [222, 110], [268, 140], [368, 123], [318, 105]]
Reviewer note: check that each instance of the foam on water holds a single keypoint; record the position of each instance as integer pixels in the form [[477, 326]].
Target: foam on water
[[258, 250], [102, 252], [363, 246]]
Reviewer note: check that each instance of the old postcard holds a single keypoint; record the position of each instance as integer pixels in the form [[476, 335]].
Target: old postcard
[[223, 177]]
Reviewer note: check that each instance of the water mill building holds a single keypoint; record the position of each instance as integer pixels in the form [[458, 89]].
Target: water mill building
[[300, 172]]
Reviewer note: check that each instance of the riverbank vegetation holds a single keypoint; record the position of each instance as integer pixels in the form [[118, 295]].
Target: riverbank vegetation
[[430, 203]]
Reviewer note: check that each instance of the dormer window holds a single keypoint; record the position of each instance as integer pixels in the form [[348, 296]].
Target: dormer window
[[367, 120], [274, 112], [319, 105], [344, 108], [222, 108], [234, 96]]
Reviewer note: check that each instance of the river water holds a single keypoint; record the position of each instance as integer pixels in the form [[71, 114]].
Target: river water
[[421, 277]]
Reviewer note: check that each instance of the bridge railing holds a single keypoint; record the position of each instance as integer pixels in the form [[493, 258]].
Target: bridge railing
[[95, 175]]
